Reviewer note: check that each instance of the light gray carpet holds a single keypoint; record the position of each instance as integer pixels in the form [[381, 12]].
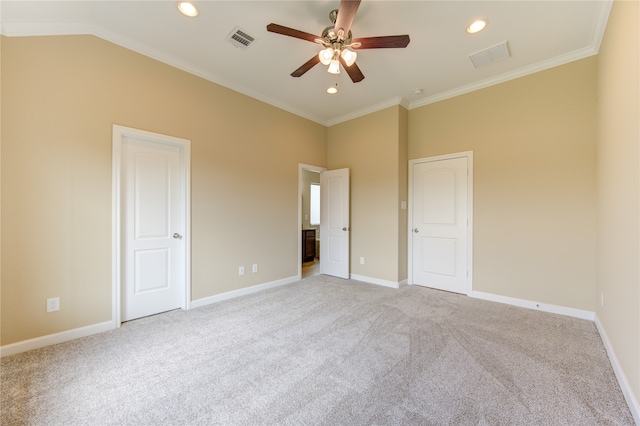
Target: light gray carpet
[[324, 351]]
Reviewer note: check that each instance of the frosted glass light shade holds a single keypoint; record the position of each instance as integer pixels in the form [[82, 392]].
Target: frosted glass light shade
[[349, 56], [326, 55], [334, 67]]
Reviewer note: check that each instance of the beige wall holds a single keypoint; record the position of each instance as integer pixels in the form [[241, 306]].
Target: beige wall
[[618, 180], [60, 97], [534, 180], [370, 147], [535, 200]]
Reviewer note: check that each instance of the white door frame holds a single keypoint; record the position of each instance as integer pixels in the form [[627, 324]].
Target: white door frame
[[119, 132], [301, 168], [469, 156]]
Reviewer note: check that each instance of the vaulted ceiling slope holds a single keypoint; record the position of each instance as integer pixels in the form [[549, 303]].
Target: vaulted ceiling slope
[[435, 65]]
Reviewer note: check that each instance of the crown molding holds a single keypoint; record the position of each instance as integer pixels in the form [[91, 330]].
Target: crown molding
[[502, 78], [599, 28], [365, 111], [26, 29], [600, 24]]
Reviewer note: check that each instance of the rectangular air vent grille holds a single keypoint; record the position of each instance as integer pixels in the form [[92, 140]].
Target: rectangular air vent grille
[[240, 39], [496, 53]]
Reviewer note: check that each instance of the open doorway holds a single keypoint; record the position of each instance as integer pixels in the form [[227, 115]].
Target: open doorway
[[309, 220]]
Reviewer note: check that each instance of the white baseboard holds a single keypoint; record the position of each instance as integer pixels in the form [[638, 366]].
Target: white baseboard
[[241, 292], [629, 396], [53, 339], [65, 336], [377, 281], [544, 307]]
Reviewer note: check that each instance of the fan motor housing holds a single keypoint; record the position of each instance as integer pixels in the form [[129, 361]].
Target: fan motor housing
[[330, 36]]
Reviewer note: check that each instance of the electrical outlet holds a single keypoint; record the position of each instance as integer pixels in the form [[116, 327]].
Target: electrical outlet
[[254, 268], [602, 300], [362, 260], [53, 304], [241, 270]]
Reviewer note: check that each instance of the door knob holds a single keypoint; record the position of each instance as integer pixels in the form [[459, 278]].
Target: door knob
[[416, 230], [176, 235], [345, 228]]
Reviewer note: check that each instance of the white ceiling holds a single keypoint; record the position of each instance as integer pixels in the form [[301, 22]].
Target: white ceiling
[[541, 34]]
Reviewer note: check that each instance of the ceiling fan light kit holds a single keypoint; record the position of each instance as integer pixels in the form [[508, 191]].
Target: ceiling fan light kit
[[337, 41]]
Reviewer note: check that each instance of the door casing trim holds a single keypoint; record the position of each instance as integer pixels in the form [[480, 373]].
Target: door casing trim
[[302, 167], [116, 245], [469, 156]]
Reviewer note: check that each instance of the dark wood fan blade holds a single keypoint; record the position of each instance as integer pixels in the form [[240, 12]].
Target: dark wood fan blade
[[383, 42], [279, 29], [353, 71], [306, 66], [346, 13]]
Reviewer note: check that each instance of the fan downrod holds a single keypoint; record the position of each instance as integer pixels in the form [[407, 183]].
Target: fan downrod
[[333, 15]]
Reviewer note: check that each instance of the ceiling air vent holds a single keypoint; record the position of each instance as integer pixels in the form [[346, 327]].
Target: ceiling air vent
[[239, 38], [490, 55]]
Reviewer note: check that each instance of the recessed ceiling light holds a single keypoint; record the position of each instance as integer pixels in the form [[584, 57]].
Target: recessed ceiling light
[[332, 90], [187, 8], [477, 26]]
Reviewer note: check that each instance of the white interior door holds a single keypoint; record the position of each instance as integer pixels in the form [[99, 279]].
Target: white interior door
[[153, 194], [334, 223], [439, 234]]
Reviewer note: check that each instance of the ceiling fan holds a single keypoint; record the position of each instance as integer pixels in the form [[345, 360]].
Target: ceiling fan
[[338, 42]]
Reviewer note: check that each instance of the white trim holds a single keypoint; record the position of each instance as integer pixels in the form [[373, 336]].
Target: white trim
[[241, 292], [503, 78], [301, 168], [24, 29], [368, 110], [627, 391], [65, 336], [538, 306], [469, 156], [600, 25], [185, 145], [376, 281], [115, 231], [53, 339]]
